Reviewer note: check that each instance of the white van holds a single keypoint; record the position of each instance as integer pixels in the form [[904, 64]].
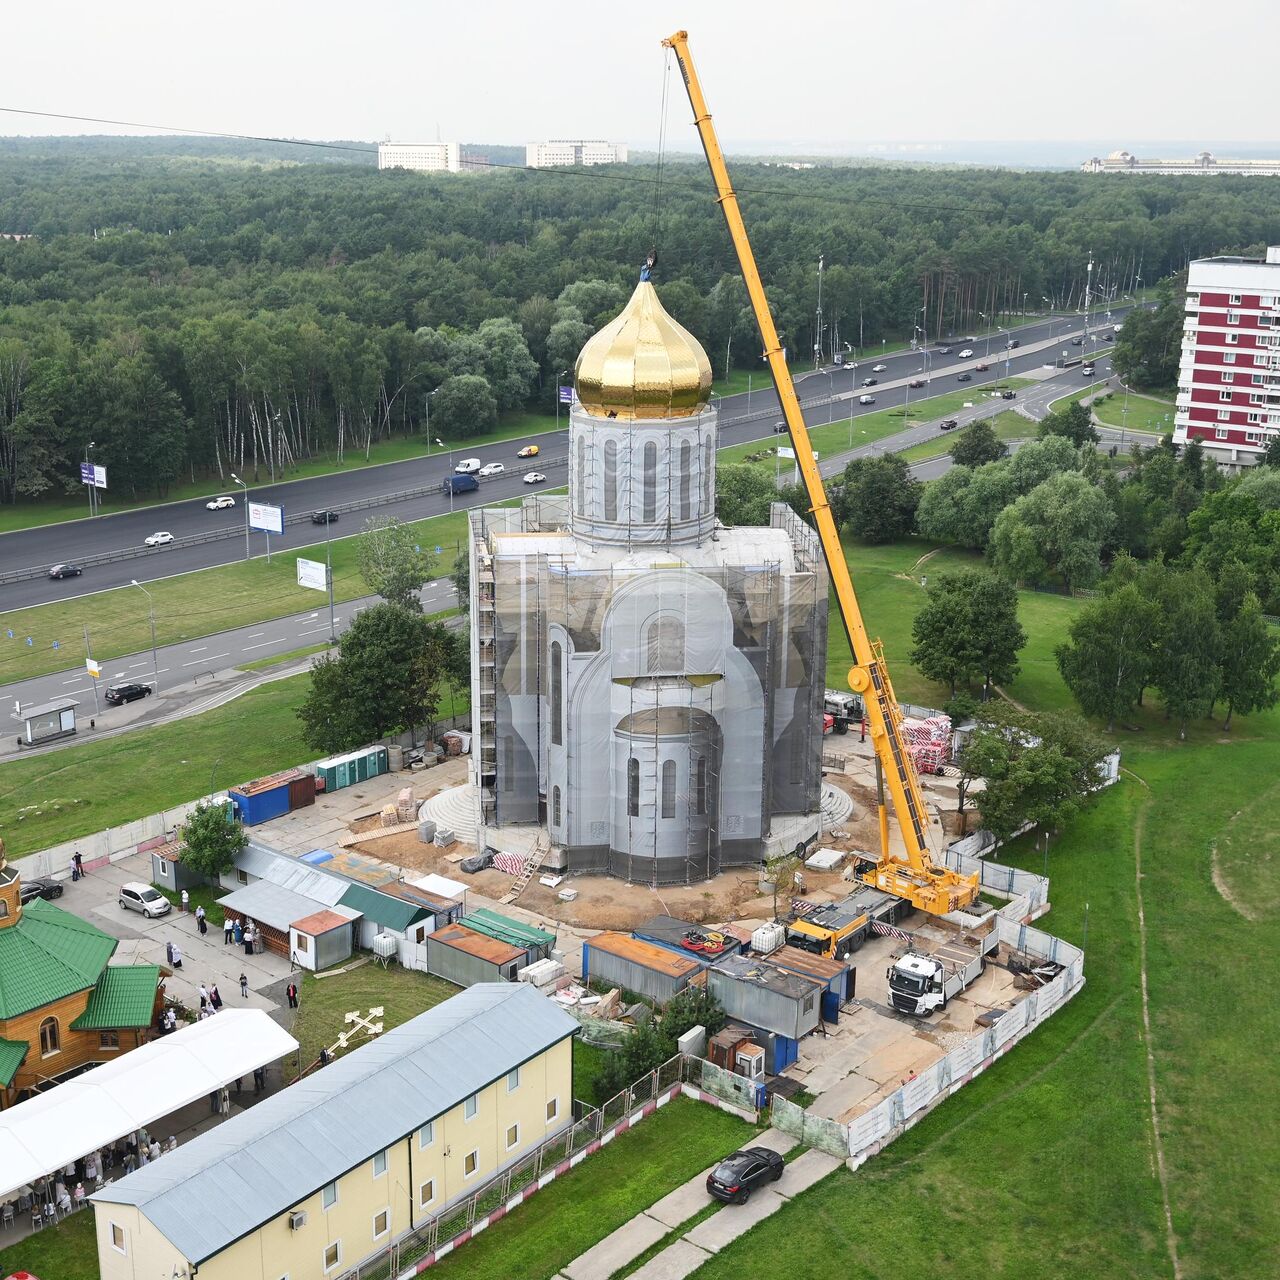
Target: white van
[[467, 467]]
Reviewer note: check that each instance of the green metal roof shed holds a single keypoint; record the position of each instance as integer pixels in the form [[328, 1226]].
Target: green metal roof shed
[[381, 908], [536, 943], [124, 997], [46, 955]]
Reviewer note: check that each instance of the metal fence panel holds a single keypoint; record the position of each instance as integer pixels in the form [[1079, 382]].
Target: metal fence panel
[[869, 1128]]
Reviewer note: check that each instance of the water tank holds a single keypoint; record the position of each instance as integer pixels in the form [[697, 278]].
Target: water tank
[[768, 938], [385, 946]]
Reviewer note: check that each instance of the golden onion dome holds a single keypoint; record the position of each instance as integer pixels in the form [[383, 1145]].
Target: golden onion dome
[[643, 364]]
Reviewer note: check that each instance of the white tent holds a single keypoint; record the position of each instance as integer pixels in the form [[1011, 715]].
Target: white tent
[[47, 1132]]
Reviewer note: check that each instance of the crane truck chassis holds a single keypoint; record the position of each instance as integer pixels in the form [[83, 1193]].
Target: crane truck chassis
[[838, 930]]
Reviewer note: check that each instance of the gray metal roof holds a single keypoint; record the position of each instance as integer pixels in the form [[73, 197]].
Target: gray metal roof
[[44, 708], [271, 904], [248, 1170]]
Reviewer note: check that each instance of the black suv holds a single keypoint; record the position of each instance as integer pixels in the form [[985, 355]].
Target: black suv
[[950, 424], [1008, 395], [737, 1176], [44, 888], [121, 693], [324, 517], [65, 571]]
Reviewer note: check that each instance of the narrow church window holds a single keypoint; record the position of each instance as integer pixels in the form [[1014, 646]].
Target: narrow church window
[[650, 482], [668, 788], [555, 806], [665, 645], [557, 681], [610, 479], [686, 478], [702, 785], [581, 476], [706, 476], [633, 788]]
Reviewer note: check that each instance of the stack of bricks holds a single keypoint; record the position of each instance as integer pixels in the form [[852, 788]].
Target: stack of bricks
[[929, 742]]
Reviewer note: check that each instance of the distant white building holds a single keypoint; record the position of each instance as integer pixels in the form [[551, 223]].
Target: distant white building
[[1203, 163], [578, 151], [427, 157]]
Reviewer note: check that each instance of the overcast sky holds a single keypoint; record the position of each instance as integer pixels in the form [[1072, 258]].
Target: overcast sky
[[795, 76]]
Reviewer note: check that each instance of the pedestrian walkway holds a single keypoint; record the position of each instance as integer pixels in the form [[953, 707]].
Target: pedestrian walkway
[[686, 1254]]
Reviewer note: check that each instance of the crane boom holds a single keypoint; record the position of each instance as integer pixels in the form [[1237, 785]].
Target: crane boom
[[914, 875]]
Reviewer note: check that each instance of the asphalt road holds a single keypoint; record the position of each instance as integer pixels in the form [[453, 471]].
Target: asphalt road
[[742, 419]]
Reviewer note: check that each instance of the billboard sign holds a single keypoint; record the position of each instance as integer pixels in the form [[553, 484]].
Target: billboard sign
[[265, 517], [92, 668], [91, 473], [311, 573], [784, 452], [566, 395]]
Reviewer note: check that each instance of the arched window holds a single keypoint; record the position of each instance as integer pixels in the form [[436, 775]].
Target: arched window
[[50, 1041], [707, 462], [701, 791], [633, 788], [686, 478], [555, 806], [580, 477], [610, 479], [650, 511], [668, 788], [665, 645], [557, 683], [4, 909]]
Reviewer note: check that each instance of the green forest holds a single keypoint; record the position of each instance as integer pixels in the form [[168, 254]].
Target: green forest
[[201, 314]]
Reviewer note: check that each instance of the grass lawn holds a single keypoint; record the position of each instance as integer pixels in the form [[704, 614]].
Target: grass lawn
[[50, 798], [607, 1190], [28, 514], [588, 1062], [1146, 413], [67, 1251], [193, 604], [203, 895], [323, 1003], [1007, 426], [261, 664]]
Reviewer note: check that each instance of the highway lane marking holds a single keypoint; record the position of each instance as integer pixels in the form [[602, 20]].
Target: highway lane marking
[[263, 644], [75, 681], [196, 663], [200, 649], [253, 635], [313, 631]]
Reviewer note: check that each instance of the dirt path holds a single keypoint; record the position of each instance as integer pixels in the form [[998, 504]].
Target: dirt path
[[1013, 702], [1139, 828]]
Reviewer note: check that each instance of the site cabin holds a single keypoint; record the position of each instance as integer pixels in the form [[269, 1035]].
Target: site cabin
[[655, 972], [465, 957]]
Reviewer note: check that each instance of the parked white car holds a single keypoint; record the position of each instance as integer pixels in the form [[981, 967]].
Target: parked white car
[[158, 539], [467, 467], [492, 469], [136, 896], [966, 353], [225, 500], [534, 477]]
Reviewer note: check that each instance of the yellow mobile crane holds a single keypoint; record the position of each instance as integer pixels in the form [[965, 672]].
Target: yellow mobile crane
[[912, 875]]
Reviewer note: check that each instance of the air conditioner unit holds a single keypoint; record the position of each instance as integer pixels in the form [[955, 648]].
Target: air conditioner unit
[[297, 1220]]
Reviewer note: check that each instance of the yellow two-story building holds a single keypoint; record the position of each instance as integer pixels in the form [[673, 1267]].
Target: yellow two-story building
[[328, 1172]]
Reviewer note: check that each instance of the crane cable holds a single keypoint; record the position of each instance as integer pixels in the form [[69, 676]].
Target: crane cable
[[659, 191]]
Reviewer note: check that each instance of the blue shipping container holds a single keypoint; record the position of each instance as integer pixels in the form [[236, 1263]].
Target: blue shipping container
[[261, 806]]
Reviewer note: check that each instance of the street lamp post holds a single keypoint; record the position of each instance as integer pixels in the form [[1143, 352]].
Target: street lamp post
[[151, 609], [328, 574], [852, 402], [1007, 351], [558, 377], [449, 479], [245, 500], [88, 457]]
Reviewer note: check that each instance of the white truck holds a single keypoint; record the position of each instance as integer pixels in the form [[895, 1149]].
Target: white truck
[[929, 974]]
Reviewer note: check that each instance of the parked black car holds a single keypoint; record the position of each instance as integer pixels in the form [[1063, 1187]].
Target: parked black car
[[121, 693], [324, 517], [65, 571], [47, 889], [737, 1176]]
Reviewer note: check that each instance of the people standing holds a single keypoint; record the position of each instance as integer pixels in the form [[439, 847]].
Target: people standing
[[204, 996], [168, 954], [214, 998], [201, 924], [77, 861], [75, 873], [228, 923], [244, 988], [259, 1079], [186, 898], [177, 956], [249, 935], [239, 932], [292, 992]]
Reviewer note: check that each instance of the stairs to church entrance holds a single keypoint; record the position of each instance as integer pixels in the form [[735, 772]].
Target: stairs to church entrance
[[456, 810]]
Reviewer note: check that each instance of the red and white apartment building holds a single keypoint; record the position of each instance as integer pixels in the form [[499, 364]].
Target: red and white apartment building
[[1229, 375]]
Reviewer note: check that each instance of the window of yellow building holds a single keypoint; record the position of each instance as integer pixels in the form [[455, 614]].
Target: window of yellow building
[[427, 1135], [379, 1164], [513, 1079], [427, 1193], [329, 1196], [117, 1238], [513, 1136], [553, 1109], [333, 1255], [381, 1223], [470, 1107], [470, 1163]]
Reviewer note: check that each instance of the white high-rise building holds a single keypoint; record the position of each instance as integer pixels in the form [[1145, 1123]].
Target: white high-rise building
[[576, 151], [1229, 375], [427, 157]]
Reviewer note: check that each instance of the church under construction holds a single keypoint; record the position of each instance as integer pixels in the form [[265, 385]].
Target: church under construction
[[646, 684]]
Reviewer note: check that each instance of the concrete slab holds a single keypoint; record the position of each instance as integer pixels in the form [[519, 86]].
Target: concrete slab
[[735, 1220], [674, 1263], [851, 1091], [681, 1204], [804, 1171], [617, 1249], [774, 1140]]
